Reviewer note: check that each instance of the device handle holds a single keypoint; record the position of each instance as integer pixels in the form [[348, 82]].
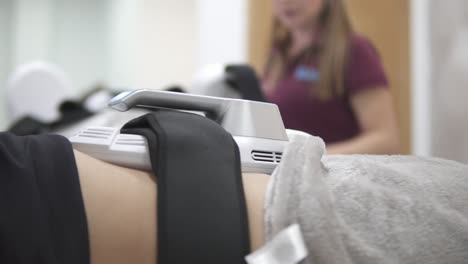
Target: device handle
[[261, 120], [162, 99]]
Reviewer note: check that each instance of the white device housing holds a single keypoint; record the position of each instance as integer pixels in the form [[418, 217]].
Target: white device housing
[[107, 144], [238, 117], [256, 127]]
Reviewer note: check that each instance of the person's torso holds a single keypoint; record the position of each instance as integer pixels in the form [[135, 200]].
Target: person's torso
[[302, 109]]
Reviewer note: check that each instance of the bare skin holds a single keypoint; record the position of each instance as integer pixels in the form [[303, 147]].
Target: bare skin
[[121, 204], [376, 116]]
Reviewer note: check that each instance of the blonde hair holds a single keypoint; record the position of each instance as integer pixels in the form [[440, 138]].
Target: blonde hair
[[335, 28]]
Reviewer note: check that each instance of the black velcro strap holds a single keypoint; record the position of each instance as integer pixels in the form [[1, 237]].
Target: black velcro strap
[[202, 216]]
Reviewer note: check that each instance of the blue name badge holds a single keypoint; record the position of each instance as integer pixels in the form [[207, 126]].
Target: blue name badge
[[307, 74]]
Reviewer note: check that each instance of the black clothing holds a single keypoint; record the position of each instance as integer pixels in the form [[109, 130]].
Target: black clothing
[[42, 215]]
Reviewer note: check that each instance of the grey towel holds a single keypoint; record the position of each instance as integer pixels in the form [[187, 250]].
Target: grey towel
[[370, 209]]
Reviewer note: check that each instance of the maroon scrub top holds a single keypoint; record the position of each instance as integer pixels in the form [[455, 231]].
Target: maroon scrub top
[[333, 120]]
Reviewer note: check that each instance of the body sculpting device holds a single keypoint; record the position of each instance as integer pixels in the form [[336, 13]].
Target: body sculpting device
[[256, 127]]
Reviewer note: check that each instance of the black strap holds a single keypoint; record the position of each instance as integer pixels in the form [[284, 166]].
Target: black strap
[[243, 79], [202, 216]]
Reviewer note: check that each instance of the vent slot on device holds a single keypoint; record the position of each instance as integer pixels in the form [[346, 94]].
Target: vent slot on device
[[96, 133], [266, 156], [130, 141]]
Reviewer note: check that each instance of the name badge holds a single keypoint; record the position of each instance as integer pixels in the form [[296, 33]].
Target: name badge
[[306, 74]]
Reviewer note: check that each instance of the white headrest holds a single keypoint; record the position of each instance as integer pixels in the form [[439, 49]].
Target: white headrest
[[37, 89]]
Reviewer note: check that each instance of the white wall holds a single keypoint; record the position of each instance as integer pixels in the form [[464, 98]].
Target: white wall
[[32, 30], [5, 58], [420, 72], [79, 40], [440, 78], [223, 31], [68, 33], [159, 43], [449, 79], [153, 43]]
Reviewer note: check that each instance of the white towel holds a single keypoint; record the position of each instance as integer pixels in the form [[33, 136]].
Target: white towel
[[370, 209]]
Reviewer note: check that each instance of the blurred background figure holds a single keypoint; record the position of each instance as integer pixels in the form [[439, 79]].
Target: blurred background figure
[[327, 80]]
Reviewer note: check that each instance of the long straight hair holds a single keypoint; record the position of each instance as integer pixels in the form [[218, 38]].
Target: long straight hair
[[332, 49]]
